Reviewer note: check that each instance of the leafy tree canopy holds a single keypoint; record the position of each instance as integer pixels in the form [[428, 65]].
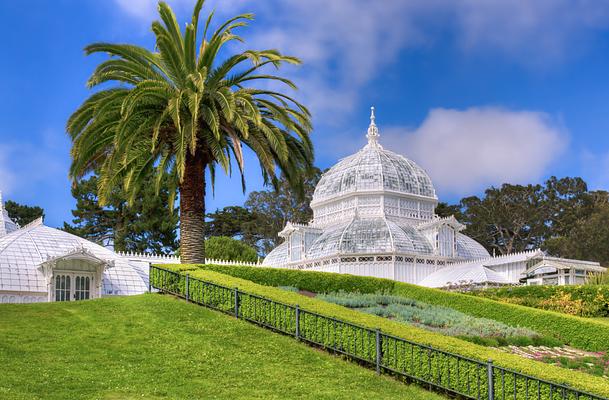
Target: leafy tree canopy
[[235, 222], [514, 218], [144, 225], [265, 214], [22, 214], [588, 238], [227, 248]]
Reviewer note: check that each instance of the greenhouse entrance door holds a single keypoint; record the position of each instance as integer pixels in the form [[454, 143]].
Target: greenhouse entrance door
[[72, 286]]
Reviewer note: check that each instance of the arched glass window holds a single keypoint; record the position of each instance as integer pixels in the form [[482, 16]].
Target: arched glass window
[[62, 288]]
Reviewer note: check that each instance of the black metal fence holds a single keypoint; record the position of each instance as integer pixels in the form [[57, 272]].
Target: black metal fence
[[424, 364]]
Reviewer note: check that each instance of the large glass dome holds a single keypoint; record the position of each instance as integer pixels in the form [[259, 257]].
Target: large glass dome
[[373, 169], [375, 206]]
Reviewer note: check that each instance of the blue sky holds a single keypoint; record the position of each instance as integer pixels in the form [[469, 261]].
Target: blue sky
[[477, 92]]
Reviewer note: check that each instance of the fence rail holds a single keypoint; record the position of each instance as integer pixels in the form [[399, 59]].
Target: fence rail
[[435, 368]]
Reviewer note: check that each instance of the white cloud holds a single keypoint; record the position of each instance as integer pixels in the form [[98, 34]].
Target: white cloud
[[24, 167], [465, 151], [346, 44], [143, 9], [532, 31], [146, 10]]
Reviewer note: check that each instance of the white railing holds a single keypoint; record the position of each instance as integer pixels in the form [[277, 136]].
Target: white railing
[[166, 259]]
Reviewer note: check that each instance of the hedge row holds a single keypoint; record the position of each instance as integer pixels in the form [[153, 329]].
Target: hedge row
[[582, 300], [417, 363], [585, 334]]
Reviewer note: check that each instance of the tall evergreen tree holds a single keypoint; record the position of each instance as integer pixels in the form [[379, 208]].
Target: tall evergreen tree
[[587, 239], [235, 222], [22, 214], [182, 110], [146, 224]]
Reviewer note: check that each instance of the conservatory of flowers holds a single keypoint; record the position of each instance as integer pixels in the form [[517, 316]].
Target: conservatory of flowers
[[373, 215]]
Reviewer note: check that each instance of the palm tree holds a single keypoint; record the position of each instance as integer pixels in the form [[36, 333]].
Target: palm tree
[[177, 112]]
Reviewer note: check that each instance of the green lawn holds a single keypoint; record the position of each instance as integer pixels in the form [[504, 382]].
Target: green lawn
[[157, 347], [604, 320]]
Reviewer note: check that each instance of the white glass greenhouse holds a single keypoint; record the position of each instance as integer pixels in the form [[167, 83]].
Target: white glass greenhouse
[[39, 263], [374, 215]]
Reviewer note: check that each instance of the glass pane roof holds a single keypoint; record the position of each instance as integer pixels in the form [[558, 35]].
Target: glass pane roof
[[22, 252], [369, 235], [374, 169], [279, 255], [469, 249]]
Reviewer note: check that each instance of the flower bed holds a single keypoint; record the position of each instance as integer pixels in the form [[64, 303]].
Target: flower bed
[[593, 363], [440, 319], [581, 300]]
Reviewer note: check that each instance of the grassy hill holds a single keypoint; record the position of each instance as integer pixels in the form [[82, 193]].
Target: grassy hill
[[157, 347]]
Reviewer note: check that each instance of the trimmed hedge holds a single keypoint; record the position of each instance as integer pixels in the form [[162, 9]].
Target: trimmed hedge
[[251, 304], [318, 282], [583, 333], [581, 300]]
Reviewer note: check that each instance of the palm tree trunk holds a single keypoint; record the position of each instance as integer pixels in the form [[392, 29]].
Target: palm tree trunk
[[192, 211]]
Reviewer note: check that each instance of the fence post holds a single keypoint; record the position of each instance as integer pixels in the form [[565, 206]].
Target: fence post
[[149, 277], [187, 287], [236, 302], [378, 351], [297, 321], [490, 378]]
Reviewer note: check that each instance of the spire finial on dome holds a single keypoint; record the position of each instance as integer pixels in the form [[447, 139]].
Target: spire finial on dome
[[373, 130]]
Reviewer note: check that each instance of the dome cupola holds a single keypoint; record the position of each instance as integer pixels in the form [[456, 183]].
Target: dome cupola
[[375, 182]]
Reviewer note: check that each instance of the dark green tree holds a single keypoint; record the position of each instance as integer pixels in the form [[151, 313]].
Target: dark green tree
[[274, 208], [235, 222], [566, 201], [506, 219], [515, 217], [22, 214], [587, 240], [144, 225], [227, 248], [446, 210], [265, 214]]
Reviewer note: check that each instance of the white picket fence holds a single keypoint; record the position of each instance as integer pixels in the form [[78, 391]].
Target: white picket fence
[[171, 259]]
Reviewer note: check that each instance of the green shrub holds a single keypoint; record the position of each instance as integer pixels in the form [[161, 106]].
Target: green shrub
[[226, 248], [401, 356], [318, 282], [586, 334], [582, 300]]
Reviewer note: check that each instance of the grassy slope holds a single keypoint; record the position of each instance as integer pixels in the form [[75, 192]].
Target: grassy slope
[[548, 372], [153, 346]]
